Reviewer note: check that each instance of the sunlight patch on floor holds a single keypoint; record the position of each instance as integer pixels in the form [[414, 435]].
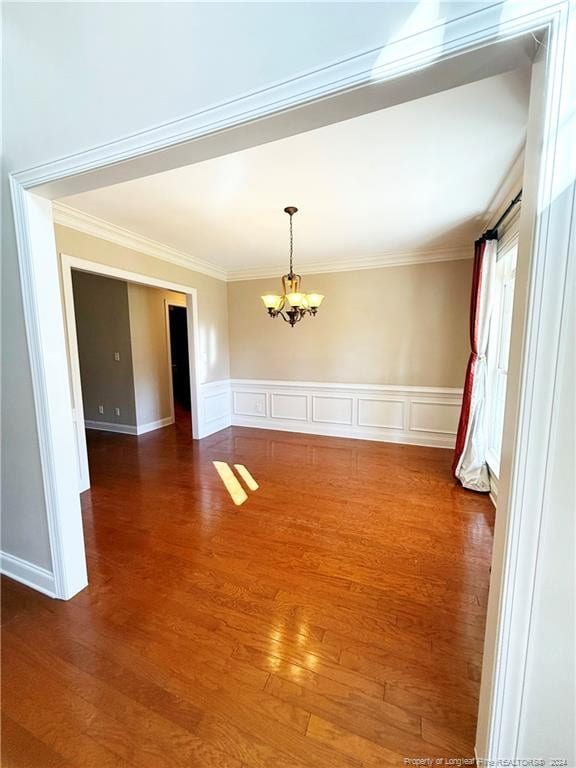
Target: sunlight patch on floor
[[246, 476], [231, 482]]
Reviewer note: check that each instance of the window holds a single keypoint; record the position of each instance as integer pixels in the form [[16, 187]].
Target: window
[[499, 349]]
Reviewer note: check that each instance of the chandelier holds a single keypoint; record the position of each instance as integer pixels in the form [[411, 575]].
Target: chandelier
[[292, 305]]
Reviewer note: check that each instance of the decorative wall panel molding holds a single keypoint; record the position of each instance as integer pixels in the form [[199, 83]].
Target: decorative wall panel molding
[[413, 415], [215, 406]]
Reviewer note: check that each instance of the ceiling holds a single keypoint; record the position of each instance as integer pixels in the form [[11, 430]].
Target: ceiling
[[415, 178]]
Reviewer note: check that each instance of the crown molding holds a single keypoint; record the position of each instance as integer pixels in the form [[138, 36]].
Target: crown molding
[[391, 259], [92, 225]]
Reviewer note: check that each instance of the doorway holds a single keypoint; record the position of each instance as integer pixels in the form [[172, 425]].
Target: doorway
[[177, 328], [191, 316]]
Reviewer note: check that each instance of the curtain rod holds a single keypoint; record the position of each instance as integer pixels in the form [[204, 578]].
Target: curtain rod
[[492, 233]]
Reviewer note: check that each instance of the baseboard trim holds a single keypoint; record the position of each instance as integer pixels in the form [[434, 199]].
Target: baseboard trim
[[424, 440], [27, 573], [107, 426], [141, 429], [493, 488], [217, 425], [128, 429]]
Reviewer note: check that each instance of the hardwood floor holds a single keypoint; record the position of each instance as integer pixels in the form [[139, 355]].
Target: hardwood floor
[[335, 619]]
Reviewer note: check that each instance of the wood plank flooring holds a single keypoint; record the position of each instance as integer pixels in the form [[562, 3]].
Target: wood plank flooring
[[333, 620]]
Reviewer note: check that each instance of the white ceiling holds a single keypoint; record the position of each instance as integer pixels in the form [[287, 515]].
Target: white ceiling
[[419, 176]]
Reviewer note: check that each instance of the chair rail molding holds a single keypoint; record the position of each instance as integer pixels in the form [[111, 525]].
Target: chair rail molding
[[274, 111]]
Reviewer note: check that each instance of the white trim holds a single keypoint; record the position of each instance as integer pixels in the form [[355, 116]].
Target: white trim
[[332, 385], [44, 322], [254, 391], [150, 426], [546, 250], [75, 379], [27, 573], [97, 267], [493, 487], [392, 259], [128, 429], [216, 405], [92, 225], [318, 420], [426, 441], [167, 305], [111, 426]]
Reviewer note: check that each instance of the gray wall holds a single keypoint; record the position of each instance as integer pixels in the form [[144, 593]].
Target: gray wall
[[103, 329]]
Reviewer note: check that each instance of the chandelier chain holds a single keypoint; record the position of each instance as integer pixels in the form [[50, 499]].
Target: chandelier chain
[[291, 246]]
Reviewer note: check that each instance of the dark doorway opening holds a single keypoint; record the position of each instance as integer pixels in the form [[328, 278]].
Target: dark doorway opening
[[178, 323]]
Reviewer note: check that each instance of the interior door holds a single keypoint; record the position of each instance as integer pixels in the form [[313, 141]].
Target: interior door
[[75, 382]]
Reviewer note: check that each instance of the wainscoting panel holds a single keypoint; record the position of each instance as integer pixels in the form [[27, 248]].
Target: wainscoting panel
[[214, 407], [381, 413], [289, 406], [413, 415], [433, 416], [332, 409]]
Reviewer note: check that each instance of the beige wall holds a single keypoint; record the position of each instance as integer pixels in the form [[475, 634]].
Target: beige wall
[[152, 381], [212, 301], [396, 325], [103, 328]]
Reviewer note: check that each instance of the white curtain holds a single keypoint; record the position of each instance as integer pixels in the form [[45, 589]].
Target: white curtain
[[471, 468]]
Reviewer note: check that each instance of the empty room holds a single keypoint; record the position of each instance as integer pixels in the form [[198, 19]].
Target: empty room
[[285, 470]]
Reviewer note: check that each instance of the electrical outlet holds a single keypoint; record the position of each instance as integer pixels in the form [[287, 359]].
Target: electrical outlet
[[101, 410], [117, 356], [258, 407], [117, 411]]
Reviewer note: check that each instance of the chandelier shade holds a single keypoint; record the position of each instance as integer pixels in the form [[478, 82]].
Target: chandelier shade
[[292, 304]]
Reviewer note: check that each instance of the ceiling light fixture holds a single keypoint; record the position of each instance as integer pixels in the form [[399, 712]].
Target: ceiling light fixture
[[297, 304]]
